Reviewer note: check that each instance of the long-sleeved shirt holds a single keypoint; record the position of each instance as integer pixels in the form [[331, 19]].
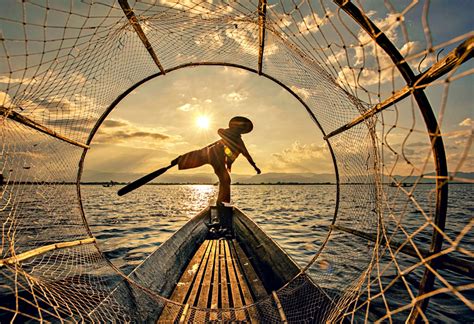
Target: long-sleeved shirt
[[234, 145]]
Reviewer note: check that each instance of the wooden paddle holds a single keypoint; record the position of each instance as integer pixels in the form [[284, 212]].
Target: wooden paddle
[[143, 180]]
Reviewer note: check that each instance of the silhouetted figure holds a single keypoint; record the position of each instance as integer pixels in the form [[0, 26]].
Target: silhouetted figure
[[221, 155]]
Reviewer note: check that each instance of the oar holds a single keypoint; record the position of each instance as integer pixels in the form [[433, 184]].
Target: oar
[[143, 180]]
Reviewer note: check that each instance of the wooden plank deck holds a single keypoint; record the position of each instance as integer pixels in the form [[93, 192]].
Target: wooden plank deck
[[219, 276]]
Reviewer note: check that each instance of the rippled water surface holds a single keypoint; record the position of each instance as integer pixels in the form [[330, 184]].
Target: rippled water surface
[[131, 227]]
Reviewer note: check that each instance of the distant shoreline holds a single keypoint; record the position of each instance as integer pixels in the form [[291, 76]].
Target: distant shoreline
[[210, 184]]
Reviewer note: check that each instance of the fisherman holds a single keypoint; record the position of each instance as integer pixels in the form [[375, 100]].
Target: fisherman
[[221, 154]]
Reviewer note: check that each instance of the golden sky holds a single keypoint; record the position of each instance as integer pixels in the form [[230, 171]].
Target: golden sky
[[159, 121]]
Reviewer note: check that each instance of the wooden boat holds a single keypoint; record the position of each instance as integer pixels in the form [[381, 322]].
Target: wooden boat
[[401, 184], [221, 266], [108, 184]]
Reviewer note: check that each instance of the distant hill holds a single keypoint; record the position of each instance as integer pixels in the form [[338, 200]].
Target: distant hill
[[99, 176], [272, 177], [428, 179]]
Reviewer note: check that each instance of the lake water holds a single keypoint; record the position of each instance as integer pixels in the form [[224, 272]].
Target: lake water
[[131, 227]]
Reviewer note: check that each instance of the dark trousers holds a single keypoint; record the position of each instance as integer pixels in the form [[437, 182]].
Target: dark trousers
[[215, 156]]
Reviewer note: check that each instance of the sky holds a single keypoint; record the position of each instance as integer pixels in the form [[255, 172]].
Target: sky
[[158, 120]]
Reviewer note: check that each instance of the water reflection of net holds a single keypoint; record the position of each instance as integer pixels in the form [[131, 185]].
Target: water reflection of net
[[361, 73]]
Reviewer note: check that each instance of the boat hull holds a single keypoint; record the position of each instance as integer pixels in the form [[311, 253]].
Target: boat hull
[[162, 270]]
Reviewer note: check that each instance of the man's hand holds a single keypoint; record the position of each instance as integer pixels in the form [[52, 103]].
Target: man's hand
[[258, 170]]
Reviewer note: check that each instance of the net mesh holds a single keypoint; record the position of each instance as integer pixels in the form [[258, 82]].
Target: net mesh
[[362, 73]]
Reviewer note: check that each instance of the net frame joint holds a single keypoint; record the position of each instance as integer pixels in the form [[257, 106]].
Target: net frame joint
[[43, 249], [13, 115], [262, 17], [132, 18]]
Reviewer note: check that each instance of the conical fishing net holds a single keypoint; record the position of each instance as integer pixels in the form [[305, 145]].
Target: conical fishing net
[[379, 80]]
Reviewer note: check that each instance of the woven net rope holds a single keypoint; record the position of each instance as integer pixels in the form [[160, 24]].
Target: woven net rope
[[378, 82]]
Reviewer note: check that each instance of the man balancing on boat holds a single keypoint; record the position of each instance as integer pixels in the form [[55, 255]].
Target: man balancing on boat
[[220, 155]]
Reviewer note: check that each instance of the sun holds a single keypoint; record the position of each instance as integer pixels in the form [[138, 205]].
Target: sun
[[203, 122]]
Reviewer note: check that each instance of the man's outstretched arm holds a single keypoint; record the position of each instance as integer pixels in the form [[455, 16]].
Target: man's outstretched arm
[[247, 155]]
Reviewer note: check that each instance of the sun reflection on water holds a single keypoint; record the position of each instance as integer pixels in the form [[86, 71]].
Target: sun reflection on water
[[203, 193]]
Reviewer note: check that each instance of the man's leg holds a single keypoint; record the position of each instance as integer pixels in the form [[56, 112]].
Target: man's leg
[[217, 160], [191, 159], [224, 185]]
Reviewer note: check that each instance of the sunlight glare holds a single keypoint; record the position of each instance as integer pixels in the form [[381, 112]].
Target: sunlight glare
[[203, 122]]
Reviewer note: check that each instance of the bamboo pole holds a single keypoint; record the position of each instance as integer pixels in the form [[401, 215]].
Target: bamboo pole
[[458, 56], [280, 308], [138, 29], [262, 14], [437, 146], [184, 315], [13, 115], [43, 249]]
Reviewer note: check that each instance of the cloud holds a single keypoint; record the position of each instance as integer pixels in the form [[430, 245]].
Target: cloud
[[196, 105], [186, 107], [387, 25], [8, 80], [81, 124], [298, 153], [5, 99], [234, 73], [369, 72], [303, 157], [247, 36], [114, 131], [283, 21], [119, 136], [212, 40], [50, 77], [460, 134], [336, 57], [192, 8], [370, 65], [311, 22], [302, 92], [236, 97], [457, 161], [60, 113], [466, 122], [107, 158], [66, 105], [419, 144], [54, 103], [112, 123]]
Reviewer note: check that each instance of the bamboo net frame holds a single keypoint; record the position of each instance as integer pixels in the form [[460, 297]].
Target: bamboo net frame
[[365, 79]]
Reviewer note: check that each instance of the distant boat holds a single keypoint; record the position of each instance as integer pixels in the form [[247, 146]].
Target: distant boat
[[109, 184], [401, 184]]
